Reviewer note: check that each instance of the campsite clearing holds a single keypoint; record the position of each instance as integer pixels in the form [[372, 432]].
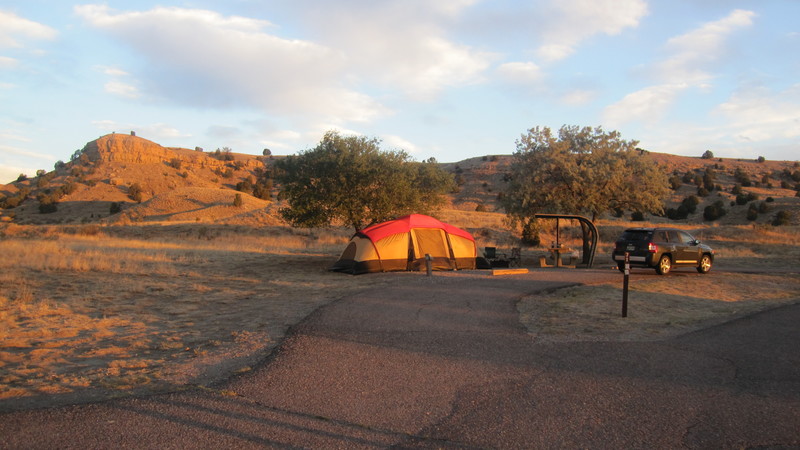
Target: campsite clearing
[[90, 312]]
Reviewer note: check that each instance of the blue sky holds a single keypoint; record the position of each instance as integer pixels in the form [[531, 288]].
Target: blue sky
[[449, 79]]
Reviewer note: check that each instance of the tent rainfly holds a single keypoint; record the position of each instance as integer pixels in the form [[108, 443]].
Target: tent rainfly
[[402, 243]]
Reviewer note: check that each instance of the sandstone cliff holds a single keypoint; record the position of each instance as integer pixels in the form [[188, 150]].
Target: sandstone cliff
[[125, 148]]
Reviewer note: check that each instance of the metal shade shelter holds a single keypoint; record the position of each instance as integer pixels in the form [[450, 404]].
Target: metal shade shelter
[[589, 234]]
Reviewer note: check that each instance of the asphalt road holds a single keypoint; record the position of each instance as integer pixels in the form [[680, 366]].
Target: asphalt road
[[443, 362]]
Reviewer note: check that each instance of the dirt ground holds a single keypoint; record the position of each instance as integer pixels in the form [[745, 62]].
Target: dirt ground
[[658, 307], [93, 312]]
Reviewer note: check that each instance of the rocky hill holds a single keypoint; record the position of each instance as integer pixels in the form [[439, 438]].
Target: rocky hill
[[123, 178]]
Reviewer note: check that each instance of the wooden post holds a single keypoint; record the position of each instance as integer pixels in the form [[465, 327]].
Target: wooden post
[[428, 264], [625, 284]]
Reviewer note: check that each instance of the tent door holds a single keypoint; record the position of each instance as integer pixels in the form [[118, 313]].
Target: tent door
[[430, 241]]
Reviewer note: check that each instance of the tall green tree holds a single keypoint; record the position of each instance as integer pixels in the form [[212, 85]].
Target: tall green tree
[[581, 170], [349, 180]]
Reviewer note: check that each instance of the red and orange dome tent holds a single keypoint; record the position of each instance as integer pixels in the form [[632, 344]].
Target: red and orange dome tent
[[401, 244]]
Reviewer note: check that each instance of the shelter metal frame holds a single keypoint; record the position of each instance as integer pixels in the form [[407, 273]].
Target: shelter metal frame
[[589, 234]]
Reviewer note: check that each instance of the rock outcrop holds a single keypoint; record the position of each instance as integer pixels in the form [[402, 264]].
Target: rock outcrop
[[124, 148]]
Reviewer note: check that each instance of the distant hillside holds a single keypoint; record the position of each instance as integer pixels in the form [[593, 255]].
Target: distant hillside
[[179, 184], [174, 184]]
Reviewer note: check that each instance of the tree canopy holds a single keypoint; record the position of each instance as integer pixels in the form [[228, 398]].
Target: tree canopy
[[349, 180], [581, 171]]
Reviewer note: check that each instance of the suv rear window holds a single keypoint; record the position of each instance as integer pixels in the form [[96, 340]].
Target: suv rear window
[[635, 235]]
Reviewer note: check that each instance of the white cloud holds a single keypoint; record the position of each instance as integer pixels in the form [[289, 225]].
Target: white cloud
[[400, 43], [692, 55], [7, 136], [121, 89], [757, 115], [8, 150], [696, 52], [202, 58], [7, 62], [393, 142], [646, 105], [112, 71], [570, 22], [13, 29], [520, 72]]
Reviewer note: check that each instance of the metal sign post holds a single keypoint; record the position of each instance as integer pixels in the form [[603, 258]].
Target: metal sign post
[[625, 284]]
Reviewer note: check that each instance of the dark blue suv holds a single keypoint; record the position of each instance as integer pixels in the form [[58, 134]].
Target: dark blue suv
[[662, 249]]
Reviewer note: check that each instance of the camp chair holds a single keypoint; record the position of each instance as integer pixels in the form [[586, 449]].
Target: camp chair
[[494, 258]]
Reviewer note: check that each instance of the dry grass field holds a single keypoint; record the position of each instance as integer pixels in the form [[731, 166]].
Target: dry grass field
[[96, 311], [105, 311]]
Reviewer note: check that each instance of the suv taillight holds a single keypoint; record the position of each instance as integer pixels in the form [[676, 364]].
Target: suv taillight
[[652, 248]]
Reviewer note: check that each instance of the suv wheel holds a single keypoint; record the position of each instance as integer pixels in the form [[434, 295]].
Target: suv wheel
[[664, 265], [705, 264]]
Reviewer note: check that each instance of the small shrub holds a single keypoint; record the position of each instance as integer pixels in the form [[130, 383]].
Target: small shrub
[[263, 191], [782, 217], [237, 200], [752, 212], [175, 163], [48, 207], [678, 213], [714, 211], [742, 177], [114, 208], [245, 186], [691, 203], [480, 208], [637, 216], [743, 199], [135, 192]]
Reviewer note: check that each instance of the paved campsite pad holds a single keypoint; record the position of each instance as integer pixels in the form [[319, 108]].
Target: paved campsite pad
[[444, 362]]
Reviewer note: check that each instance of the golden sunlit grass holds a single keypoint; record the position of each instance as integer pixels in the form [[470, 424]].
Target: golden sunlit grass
[[91, 310]]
